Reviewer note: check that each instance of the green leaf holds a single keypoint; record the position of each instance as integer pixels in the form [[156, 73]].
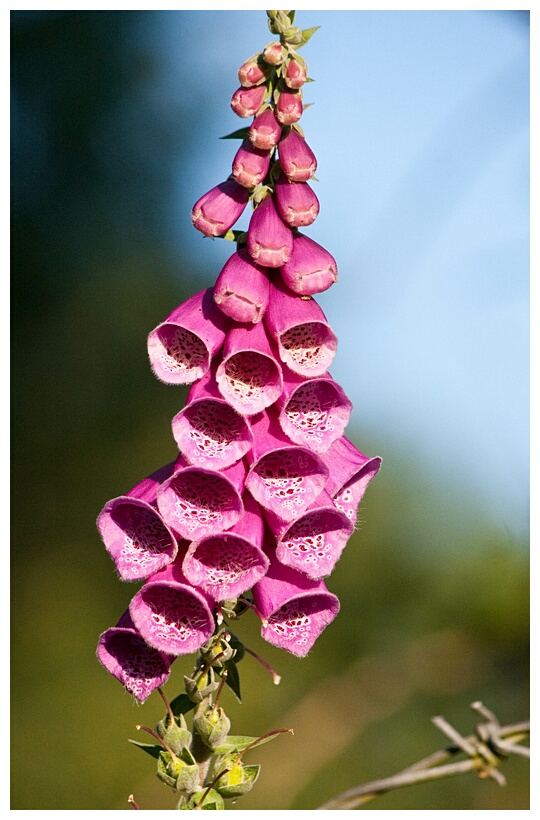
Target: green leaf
[[237, 135], [181, 705], [150, 748], [234, 236], [233, 679], [237, 743], [307, 34], [291, 15]]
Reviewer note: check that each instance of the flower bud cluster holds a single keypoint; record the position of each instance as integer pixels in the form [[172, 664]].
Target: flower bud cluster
[[263, 492]]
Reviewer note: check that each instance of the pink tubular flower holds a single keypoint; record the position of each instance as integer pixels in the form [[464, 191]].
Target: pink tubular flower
[[208, 431], [310, 268], [274, 53], [181, 347], [249, 376], [313, 412], [126, 655], [229, 563], [250, 165], [350, 473], [265, 130], [170, 614], [253, 72], [296, 608], [247, 101], [296, 202], [289, 107], [270, 240], [217, 210], [196, 502], [313, 543], [133, 531], [295, 73], [297, 160], [242, 289], [284, 478], [306, 342]]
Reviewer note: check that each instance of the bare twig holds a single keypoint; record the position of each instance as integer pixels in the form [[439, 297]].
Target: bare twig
[[485, 750]]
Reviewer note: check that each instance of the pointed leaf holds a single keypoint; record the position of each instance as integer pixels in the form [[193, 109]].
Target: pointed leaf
[[181, 705], [307, 34], [150, 748], [240, 134], [233, 679], [237, 743]]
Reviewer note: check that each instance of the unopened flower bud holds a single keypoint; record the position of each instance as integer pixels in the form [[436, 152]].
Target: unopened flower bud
[[310, 268], [265, 130], [217, 211], [295, 74], [177, 737], [242, 289], [273, 53], [253, 72], [212, 725], [296, 158], [198, 690], [246, 101], [289, 107], [250, 165], [270, 240], [177, 773], [296, 202], [293, 36], [239, 779]]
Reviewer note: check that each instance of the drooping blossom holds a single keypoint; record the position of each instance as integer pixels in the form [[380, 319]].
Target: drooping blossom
[[289, 107], [250, 165], [181, 348], [246, 102], [253, 72], [349, 474], [218, 210], [124, 653], [270, 240], [295, 74], [274, 53], [265, 130], [310, 269], [228, 563], [313, 412], [296, 609], [242, 289], [296, 202], [283, 477], [134, 532], [306, 342], [249, 376], [297, 160], [170, 614]]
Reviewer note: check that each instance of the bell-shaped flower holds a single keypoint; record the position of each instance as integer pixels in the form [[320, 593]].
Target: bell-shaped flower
[[124, 653], [253, 72], [284, 478], [289, 107], [242, 289], [250, 165], [229, 563], [314, 541], [265, 130], [249, 376], [306, 342], [297, 160], [296, 202], [217, 210], [270, 240], [295, 74], [350, 473], [208, 431], [310, 268], [134, 532], [296, 609], [172, 615], [274, 53], [181, 347], [313, 412], [196, 501], [246, 101]]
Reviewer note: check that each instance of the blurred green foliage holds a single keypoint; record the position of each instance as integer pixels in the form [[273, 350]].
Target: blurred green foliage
[[434, 601]]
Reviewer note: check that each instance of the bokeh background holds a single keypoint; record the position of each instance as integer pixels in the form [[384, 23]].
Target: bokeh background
[[420, 125]]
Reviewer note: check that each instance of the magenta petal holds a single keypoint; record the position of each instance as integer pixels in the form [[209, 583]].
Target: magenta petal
[[310, 268], [270, 240], [125, 654], [284, 477], [133, 531], [217, 210], [170, 614], [249, 376], [313, 412], [182, 346], [313, 543], [289, 107], [296, 608], [250, 165], [246, 101], [296, 158], [265, 131], [231, 562], [242, 289], [208, 431], [350, 473], [196, 502], [306, 342], [296, 202]]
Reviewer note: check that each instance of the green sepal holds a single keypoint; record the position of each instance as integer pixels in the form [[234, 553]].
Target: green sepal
[[307, 34], [150, 748], [181, 705], [181, 773], [234, 236], [249, 777], [237, 645], [212, 725], [291, 15], [240, 134], [177, 738], [199, 689], [213, 800]]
